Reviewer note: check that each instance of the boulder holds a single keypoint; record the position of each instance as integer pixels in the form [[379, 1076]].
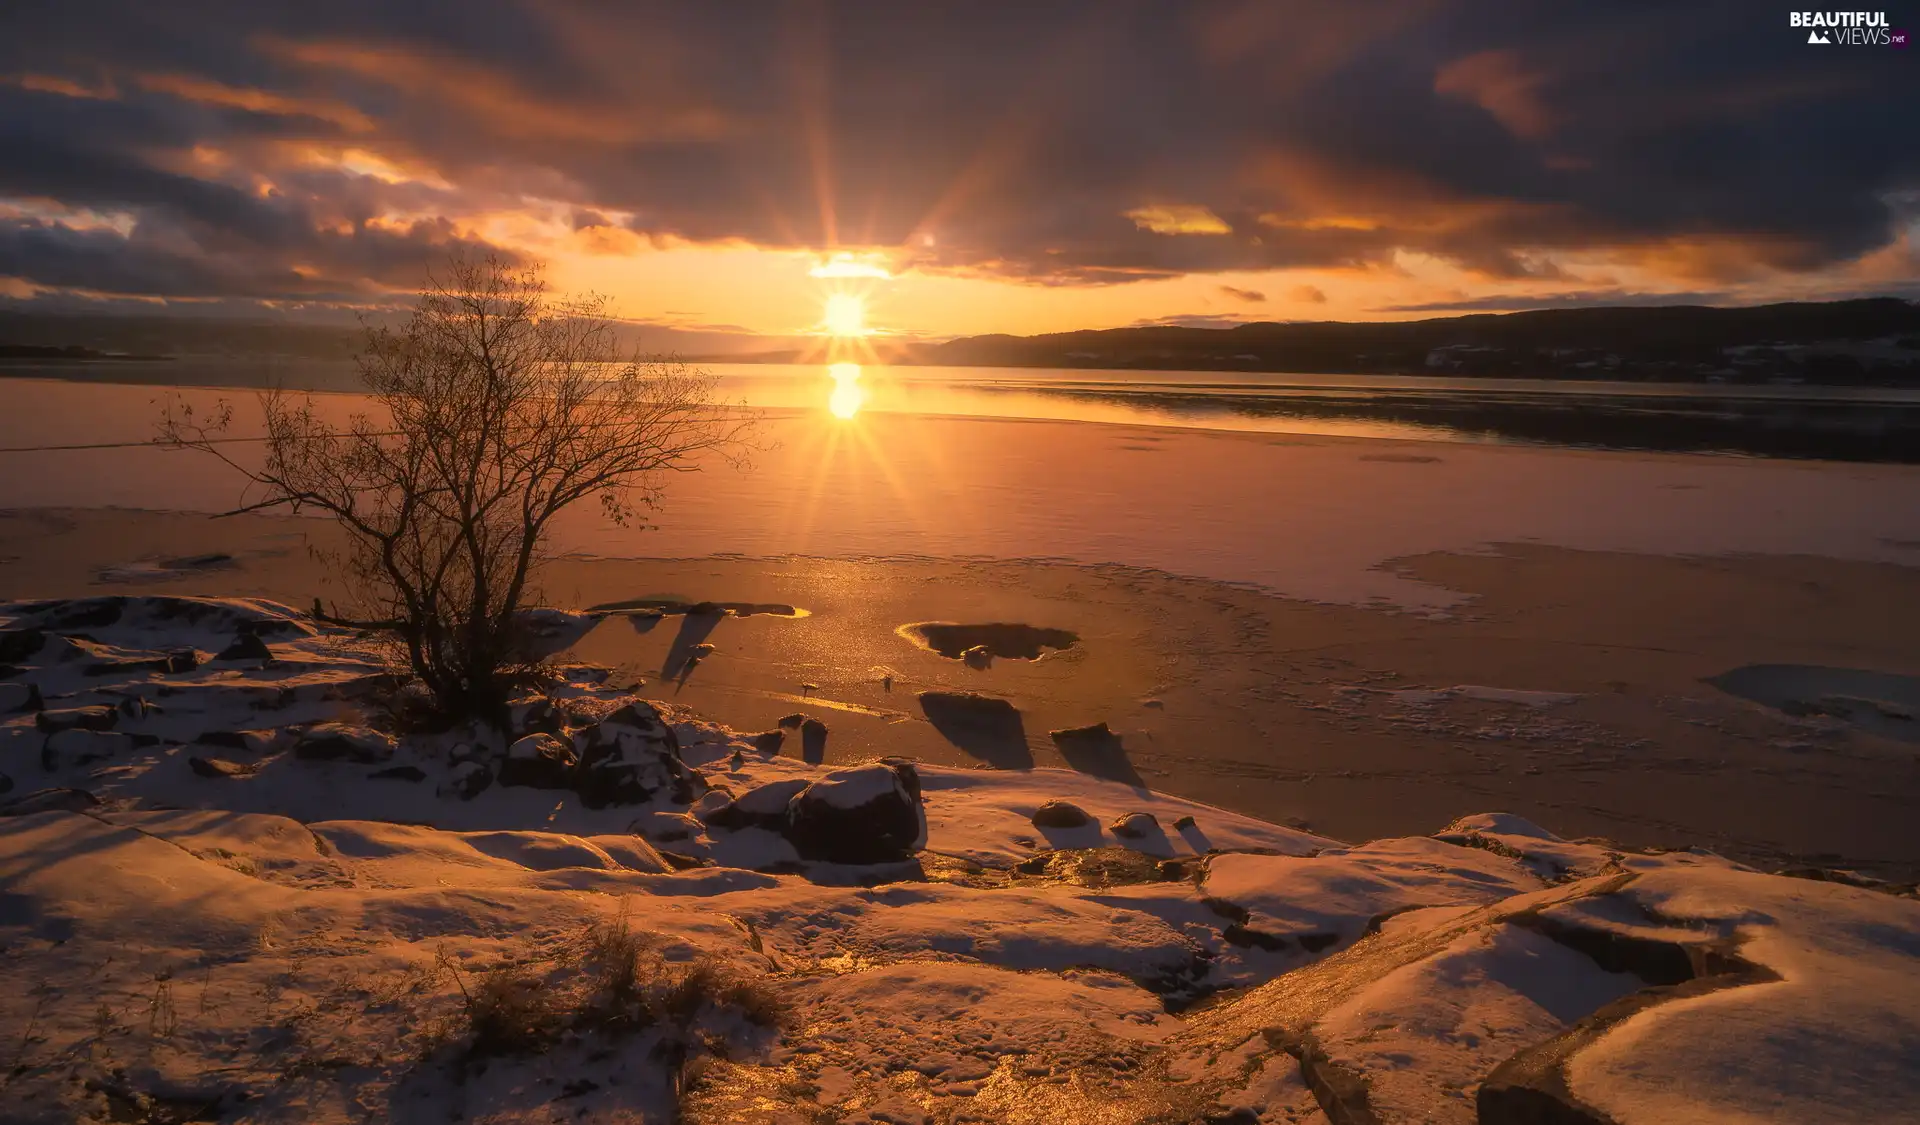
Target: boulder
[[247, 741], [1096, 733], [813, 740], [630, 757], [979, 657], [99, 717], [338, 742], [246, 647], [68, 749], [467, 780], [539, 761], [1182, 823], [1060, 814], [219, 767], [49, 800], [865, 814], [792, 722], [15, 698], [764, 807], [769, 741], [1135, 825]]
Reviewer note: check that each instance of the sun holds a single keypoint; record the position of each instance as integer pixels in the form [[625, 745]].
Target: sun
[[846, 315]]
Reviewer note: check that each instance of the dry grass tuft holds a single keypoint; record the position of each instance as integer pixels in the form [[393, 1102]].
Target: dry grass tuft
[[625, 984]]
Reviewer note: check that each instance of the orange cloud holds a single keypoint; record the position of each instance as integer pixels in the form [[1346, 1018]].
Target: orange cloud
[[495, 102], [1178, 218], [1498, 83], [208, 92], [65, 87]]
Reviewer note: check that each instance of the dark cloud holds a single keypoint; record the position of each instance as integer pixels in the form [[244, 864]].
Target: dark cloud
[[1701, 138], [1251, 296], [1585, 299]]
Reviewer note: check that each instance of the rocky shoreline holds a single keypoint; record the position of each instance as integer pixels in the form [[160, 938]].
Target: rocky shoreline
[[241, 881]]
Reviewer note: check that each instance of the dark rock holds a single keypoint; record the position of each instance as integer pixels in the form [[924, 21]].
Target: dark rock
[[909, 775], [629, 757], [792, 722], [539, 761], [1097, 732], [6, 784], [813, 740], [866, 814], [16, 645], [15, 698], [219, 767], [1135, 825], [467, 780], [250, 741], [1060, 814], [47, 800], [399, 773], [1182, 823], [99, 717], [246, 646], [338, 742], [135, 707]]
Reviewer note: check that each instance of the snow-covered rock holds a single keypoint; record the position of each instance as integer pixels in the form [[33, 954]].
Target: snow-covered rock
[[630, 757], [865, 814], [342, 742], [260, 930], [539, 761]]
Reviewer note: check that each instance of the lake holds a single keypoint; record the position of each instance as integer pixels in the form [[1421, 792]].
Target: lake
[[1191, 480], [1871, 424]]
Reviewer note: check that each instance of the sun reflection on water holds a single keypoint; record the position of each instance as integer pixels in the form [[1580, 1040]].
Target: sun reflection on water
[[847, 394]]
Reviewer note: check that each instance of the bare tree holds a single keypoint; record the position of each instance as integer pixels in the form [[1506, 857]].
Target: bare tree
[[497, 406]]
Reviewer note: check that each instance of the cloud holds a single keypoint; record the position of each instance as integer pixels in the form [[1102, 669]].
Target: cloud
[[1521, 302], [1057, 144], [1498, 82], [1178, 218], [1251, 296], [1308, 294]]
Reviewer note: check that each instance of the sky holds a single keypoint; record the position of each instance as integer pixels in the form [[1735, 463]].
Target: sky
[[958, 168]]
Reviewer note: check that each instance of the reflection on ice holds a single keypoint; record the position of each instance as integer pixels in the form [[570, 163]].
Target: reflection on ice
[[847, 394]]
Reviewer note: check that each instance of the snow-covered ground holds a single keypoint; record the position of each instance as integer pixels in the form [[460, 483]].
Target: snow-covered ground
[[235, 886]]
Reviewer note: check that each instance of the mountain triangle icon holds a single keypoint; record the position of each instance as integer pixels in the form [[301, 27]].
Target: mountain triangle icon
[[1818, 37]]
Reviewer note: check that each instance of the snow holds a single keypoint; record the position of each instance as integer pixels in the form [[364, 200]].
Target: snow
[[854, 788], [300, 936], [1335, 896]]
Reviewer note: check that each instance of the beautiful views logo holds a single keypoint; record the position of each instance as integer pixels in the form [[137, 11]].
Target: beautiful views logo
[[1854, 29]]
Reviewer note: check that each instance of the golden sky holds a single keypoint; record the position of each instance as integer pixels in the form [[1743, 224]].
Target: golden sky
[[1024, 169]]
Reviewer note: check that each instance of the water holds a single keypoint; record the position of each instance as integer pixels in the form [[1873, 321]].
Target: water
[[1871, 424], [882, 463]]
